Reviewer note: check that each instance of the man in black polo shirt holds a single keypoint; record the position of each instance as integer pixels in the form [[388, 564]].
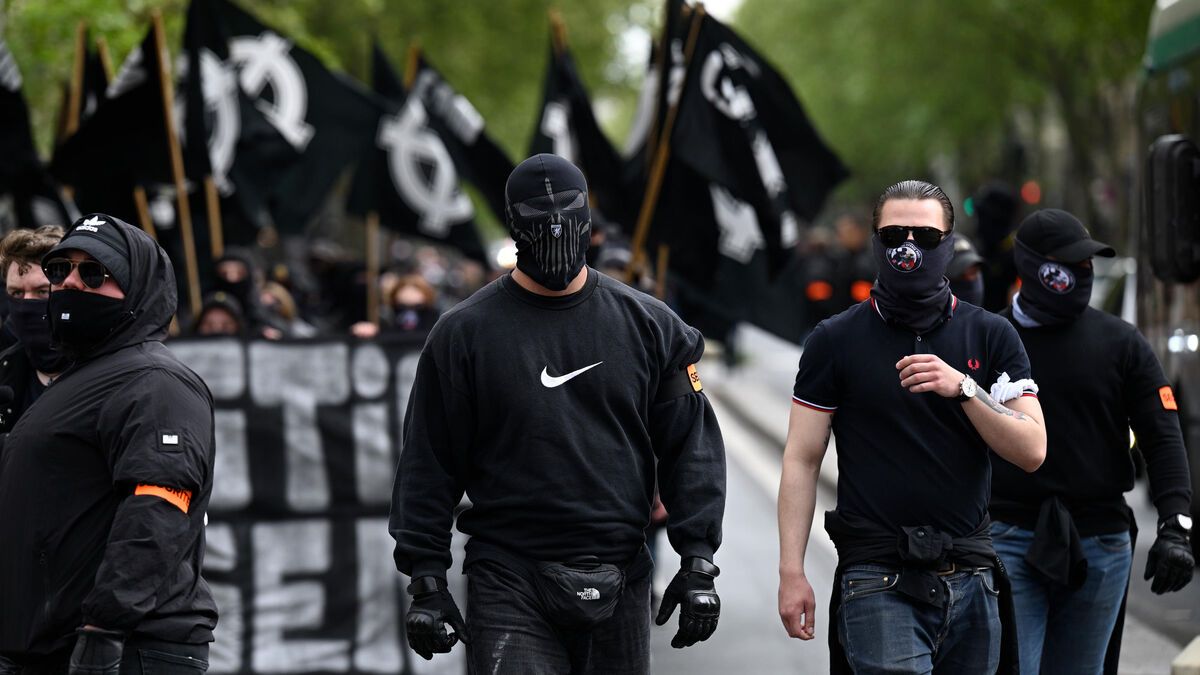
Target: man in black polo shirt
[[895, 378], [1063, 532]]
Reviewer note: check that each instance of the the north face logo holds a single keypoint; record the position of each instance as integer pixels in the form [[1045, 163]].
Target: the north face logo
[[589, 594]]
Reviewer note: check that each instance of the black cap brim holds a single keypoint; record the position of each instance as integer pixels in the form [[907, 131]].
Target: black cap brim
[[960, 263], [100, 250], [1081, 250]]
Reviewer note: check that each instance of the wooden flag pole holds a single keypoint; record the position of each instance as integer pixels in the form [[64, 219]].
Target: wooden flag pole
[[105, 59], [558, 31], [181, 195], [143, 211], [212, 203], [373, 267], [410, 64], [75, 94], [660, 279], [662, 154]]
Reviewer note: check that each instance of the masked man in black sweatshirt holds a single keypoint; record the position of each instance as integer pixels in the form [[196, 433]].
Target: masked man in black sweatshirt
[[105, 479], [554, 397], [1064, 531]]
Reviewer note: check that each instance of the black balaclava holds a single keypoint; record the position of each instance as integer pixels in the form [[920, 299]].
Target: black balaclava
[[912, 289], [1053, 292], [546, 200], [28, 321]]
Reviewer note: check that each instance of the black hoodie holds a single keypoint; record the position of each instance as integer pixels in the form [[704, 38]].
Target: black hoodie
[[79, 547]]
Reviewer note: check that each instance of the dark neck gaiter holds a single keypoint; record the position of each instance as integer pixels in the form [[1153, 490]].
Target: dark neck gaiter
[[28, 321], [912, 289], [1052, 292]]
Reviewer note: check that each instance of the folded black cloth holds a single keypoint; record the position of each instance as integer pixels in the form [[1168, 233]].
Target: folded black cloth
[[1056, 551]]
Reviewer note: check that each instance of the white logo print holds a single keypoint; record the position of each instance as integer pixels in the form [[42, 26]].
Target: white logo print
[[589, 594], [550, 382], [170, 439], [91, 224]]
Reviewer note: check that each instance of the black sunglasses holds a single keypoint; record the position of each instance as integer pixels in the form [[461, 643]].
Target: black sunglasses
[[91, 273], [926, 237]]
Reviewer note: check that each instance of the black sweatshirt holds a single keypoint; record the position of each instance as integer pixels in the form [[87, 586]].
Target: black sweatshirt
[[79, 545], [543, 410], [1098, 378]]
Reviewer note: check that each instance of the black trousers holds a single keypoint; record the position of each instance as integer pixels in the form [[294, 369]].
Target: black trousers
[[510, 634], [142, 656]]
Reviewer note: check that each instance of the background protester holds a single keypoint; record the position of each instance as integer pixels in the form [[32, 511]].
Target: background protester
[[854, 261], [220, 314], [28, 366], [557, 564], [965, 271], [105, 482], [1064, 531], [238, 274], [913, 435], [280, 306]]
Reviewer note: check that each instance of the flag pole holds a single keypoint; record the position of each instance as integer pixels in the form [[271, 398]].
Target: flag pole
[[105, 59], [662, 154], [76, 92], [143, 211], [410, 64], [373, 267], [212, 203], [181, 196], [558, 31]]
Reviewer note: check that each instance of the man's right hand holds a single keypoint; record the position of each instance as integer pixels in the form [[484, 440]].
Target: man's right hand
[[431, 609], [797, 606]]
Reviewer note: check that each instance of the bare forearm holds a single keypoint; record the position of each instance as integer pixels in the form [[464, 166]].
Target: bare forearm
[[797, 504], [1017, 437]]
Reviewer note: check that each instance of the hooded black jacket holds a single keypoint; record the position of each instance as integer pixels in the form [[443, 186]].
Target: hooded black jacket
[[79, 547]]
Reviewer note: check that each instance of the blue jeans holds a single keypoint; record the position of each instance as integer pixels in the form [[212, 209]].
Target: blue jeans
[[885, 631], [1060, 630], [509, 633]]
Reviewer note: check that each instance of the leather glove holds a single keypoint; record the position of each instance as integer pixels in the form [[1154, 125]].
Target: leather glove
[[692, 589], [8, 667], [1170, 561], [431, 609], [97, 652]]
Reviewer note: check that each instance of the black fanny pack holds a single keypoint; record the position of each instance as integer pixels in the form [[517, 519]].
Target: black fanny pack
[[579, 594]]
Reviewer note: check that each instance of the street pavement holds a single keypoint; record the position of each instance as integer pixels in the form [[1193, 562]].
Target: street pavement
[[752, 403]]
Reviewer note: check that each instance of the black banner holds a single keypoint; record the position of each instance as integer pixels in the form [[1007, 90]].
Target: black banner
[[298, 553]]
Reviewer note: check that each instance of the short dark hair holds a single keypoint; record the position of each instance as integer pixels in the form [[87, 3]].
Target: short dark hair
[[916, 190], [26, 247]]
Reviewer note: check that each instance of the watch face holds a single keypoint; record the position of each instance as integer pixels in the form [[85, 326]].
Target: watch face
[[968, 387]]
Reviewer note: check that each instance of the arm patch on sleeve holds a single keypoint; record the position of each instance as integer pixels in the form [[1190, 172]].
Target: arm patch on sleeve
[[681, 383], [180, 499], [1168, 398]]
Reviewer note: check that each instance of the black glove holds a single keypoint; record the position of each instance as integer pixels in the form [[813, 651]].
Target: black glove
[[431, 609], [1170, 561], [97, 652], [693, 588], [8, 667]]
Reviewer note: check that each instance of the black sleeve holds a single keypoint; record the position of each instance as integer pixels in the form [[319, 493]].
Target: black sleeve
[[816, 380], [1154, 417], [691, 456], [158, 433], [438, 426]]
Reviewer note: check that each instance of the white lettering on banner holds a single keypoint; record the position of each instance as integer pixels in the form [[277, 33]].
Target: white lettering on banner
[[220, 91], [448, 105], [300, 377], [740, 235], [406, 373], [377, 650], [422, 170], [282, 549], [232, 489], [266, 60], [556, 125], [220, 555]]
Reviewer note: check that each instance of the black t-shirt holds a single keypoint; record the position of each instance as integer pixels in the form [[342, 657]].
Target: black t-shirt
[[906, 459], [1098, 377]]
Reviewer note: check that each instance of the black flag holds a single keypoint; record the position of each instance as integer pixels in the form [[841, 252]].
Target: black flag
[[566, 126], [461, 128], [409, 178], [241, 150], [325, 117], [28, 196]]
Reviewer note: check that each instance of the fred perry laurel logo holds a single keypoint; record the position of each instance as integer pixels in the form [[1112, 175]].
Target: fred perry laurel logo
[[549, 381]]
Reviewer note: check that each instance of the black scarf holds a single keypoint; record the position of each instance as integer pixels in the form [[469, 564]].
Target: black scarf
[[912, 289]]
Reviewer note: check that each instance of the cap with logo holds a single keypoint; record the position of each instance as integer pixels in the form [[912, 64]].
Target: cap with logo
[[97, 235], [1056, 234]]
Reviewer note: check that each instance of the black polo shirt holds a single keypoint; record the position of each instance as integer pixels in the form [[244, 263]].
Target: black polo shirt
[[906, 459]]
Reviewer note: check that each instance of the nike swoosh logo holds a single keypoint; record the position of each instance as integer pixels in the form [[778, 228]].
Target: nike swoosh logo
[[550, 382]]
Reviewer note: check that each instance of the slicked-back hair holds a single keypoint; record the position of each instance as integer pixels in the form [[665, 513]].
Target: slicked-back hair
[[26, 247], [916, 190]]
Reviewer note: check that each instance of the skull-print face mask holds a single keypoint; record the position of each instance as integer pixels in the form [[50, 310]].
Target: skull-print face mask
[[548, 216]]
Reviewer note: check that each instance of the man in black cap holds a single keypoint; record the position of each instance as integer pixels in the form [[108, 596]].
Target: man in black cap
[[965, 272], [576, 393], [104, 483], [1064, 531]]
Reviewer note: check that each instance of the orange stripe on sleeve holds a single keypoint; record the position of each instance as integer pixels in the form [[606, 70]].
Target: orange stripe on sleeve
[[180, 499]]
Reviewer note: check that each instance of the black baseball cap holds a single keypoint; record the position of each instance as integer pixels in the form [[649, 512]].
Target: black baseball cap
[[98, 235], [965, 255], [1054, 233]]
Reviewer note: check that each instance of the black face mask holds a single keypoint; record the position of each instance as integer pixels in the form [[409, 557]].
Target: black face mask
[[28, 321], [968, 291], [912, 289], [1052, 292], [548, 215], [240, 290], [80, 321]]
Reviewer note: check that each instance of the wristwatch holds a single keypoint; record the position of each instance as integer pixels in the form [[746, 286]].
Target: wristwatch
[[966, 389], [1179, 520]]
